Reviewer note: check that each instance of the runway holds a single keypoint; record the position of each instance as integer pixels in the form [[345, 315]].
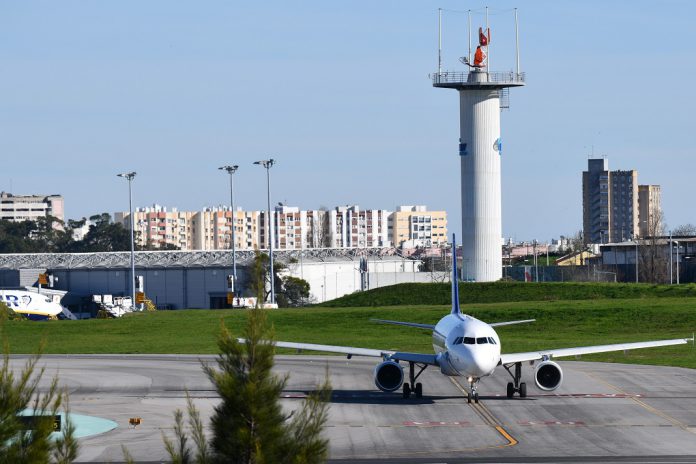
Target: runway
[[601, 413]]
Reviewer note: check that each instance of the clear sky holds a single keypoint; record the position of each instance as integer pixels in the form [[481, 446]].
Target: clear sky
[[338, 93]]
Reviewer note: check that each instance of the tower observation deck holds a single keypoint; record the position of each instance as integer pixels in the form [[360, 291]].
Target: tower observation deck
[[482, 94]]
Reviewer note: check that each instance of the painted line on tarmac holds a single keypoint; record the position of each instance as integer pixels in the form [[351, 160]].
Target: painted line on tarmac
[[646, 406], [484, 413]]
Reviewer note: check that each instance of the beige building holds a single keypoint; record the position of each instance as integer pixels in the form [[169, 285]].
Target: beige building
[[18, 208], [294, 229], [415, 226], [157, 227], [649, 210], [212, 229]]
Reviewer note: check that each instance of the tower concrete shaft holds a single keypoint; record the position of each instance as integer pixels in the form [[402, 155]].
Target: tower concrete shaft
[[480, 150]]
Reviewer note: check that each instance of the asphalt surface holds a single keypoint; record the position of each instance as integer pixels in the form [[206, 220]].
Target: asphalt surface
[[601, 413]]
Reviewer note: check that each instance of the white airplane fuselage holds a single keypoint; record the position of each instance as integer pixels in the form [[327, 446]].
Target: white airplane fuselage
[[471, 346], [32, 305]]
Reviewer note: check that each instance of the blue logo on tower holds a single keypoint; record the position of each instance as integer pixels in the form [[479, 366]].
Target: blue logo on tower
[[498, 146], [462, 149]]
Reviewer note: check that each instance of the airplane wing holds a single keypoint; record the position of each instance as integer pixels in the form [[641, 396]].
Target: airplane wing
[[408, 324], [498, 324], [419, 358], [559, 353]]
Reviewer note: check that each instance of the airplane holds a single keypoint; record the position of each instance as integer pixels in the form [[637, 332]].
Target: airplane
[[467, 347], [34, 306]]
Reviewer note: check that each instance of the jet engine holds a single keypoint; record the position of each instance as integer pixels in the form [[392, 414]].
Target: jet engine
[[548, 375], [389, 376]]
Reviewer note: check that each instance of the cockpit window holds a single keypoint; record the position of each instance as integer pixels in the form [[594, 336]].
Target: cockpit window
[[469, 340], [458, 341], [482, 340], [491, 340]]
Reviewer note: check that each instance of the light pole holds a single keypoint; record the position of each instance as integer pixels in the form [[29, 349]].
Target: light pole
[[130, 176], [231, 170], [671, 260], [677, 242], [267, 164], [636, 261]]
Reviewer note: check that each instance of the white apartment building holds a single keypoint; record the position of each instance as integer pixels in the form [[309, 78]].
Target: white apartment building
[[18, 208]]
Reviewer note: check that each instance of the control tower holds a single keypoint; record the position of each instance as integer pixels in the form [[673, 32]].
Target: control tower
[[482, 94]]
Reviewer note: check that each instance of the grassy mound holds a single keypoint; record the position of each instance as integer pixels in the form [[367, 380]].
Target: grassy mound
[[497, 292]]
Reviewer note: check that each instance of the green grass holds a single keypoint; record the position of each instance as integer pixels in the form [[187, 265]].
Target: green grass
[[559, 324], [495, 292]]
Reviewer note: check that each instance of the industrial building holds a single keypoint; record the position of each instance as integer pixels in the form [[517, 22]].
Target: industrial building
[[198, 279]]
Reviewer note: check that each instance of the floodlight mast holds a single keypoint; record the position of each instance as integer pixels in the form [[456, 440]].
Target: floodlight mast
[[271, 235], [130, 176], [231, 170]]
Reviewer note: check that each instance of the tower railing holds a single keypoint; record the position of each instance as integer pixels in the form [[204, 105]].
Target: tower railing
[[455, 77]]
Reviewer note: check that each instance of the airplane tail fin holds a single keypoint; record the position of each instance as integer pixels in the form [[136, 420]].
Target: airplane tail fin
[[455, 279]]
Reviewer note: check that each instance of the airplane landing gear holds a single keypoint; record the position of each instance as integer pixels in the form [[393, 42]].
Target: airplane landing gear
[[412, 386], [516, 386], [473, 394]]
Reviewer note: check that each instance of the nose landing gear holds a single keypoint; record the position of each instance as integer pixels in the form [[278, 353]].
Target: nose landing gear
[[473, 394], [516, 386]]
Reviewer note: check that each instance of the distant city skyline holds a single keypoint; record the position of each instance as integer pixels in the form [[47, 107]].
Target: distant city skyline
[[338, 95]]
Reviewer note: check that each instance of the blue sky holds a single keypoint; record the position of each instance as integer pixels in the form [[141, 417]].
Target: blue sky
[[338, 93]]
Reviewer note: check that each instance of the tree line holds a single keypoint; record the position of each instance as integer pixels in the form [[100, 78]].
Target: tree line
[[49, 234]]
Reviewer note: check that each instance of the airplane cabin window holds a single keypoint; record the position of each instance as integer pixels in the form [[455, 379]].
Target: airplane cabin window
[[482, 340], [469, 340]]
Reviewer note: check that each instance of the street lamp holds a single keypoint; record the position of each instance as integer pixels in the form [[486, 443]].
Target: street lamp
[[231, 170], [267, 164], [677, 242], [130, 176]]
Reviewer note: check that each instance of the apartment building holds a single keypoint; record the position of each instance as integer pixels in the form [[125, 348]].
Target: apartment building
[[610, 203], [157, 227], [212, 229], [649, 210], [294, 229], [415, 226], [615, 207], [18, 208]]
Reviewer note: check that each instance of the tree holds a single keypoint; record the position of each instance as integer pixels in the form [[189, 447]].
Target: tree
[[294, 290], [653, 262], [260, 284], [50, 235], [104, 235], [19, 394], [249, 426], [685, 230]]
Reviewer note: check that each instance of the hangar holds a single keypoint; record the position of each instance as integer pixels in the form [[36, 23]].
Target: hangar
[[198, 279]]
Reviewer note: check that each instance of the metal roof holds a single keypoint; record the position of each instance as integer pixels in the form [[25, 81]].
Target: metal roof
[[162, 259]]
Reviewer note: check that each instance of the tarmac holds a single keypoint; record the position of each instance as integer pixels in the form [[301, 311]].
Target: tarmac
[[601, 413]]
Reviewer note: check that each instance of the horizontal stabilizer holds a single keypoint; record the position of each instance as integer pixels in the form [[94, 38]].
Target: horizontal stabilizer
[[408, 324], [498, 324]]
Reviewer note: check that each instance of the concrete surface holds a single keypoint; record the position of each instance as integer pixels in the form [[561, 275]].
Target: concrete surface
[[601, 413]]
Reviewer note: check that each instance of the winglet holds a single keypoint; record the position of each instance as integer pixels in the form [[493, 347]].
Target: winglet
[[455, 279]]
